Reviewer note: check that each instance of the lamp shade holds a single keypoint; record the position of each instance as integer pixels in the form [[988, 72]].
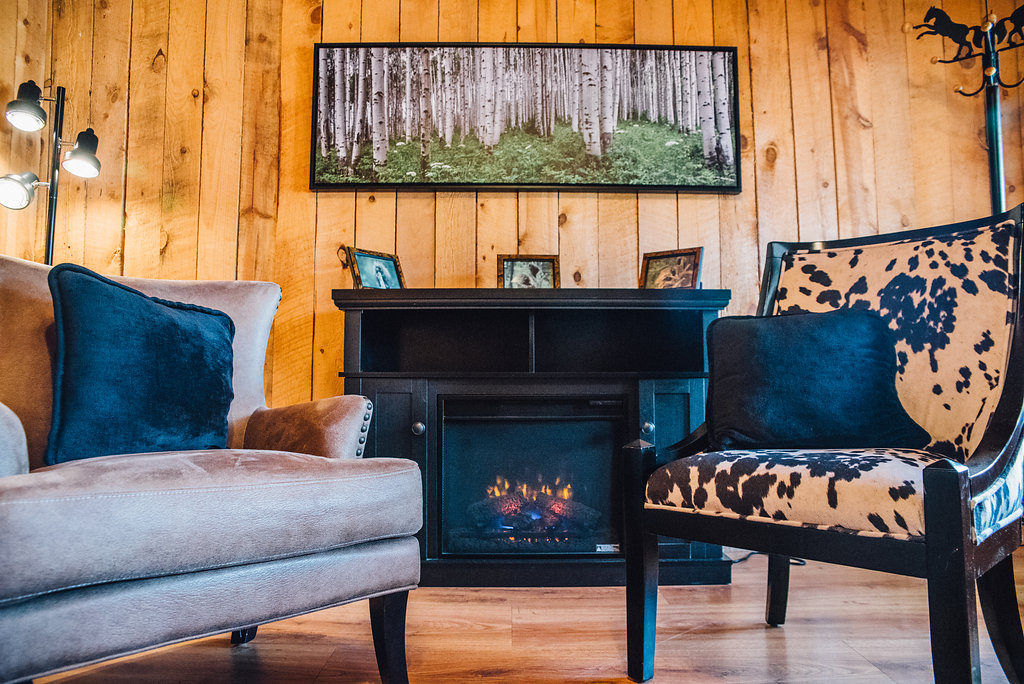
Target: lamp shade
[[17, 190], [24, 112], [81, 159]]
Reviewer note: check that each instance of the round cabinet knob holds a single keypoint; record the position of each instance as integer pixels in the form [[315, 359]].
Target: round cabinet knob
[[418, 428], [647, 428]]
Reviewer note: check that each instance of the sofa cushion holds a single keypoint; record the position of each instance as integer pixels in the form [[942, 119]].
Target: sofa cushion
[[150, 515], [811, 380], [134, 373]]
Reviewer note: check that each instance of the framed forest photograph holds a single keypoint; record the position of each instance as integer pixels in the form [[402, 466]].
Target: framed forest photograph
[[529, 116]]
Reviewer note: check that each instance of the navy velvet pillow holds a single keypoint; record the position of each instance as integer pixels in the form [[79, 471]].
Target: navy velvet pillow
[[135, 373], [810, 380]]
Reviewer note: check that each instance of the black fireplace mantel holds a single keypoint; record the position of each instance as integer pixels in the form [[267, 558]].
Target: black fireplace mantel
[[423, 355]]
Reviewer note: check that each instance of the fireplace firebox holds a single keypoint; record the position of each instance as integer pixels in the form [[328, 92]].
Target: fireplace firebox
[[515, 404], [529, 476]]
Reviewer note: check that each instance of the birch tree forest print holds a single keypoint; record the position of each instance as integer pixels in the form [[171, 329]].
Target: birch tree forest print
[[525, 116]]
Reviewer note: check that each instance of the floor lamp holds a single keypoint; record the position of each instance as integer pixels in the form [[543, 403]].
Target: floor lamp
[[987, 41], [17, 189]]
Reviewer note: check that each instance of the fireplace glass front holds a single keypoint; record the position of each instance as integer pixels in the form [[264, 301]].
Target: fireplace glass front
[[530, 475]]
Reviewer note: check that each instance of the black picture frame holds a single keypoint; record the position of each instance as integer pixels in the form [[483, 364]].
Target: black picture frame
[[671, 269], [647, 135], [534, 271], [374, 270]]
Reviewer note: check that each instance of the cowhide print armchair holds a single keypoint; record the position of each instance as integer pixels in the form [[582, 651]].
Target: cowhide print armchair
[[949, 512]]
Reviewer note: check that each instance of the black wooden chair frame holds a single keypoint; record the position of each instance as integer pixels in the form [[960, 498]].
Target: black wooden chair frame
[[958, 570]]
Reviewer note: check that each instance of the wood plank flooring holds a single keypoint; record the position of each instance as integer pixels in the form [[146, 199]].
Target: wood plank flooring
[[844, 625]]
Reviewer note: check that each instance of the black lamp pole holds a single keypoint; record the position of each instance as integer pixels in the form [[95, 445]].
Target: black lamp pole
[[51, 205]]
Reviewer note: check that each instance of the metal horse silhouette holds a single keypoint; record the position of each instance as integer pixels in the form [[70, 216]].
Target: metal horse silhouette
[[987, 39]]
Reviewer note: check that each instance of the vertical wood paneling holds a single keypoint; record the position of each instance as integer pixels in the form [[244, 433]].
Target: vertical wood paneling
[[739, 258], [852, 118], [614, 21], [109, 118], [455, 241], [496, 233], [418, 21], [8, 90], [183, 135], [222, 120], [537, 21], [376, 211], [261, 123], [933, 180], [1013, 146], [847, 126], [146, 116], [772, 104], [72, 68], [295, 237], [693, 23], [538, 223], [577, 243], [335, 226], [968, 148], [497, 21], [29, 151], [414, 237], [894, 162], [457, 20], [617, 239], [815, 166], [698, 224]]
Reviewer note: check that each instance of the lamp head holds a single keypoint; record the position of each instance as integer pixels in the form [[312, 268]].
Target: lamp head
[[24, 112], [81, 159], [17, 190]]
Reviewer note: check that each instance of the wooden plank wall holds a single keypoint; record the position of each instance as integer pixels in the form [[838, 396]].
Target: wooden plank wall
[[203, 112]]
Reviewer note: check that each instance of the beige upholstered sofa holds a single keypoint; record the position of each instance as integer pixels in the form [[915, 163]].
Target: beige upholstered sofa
[[113, 555]]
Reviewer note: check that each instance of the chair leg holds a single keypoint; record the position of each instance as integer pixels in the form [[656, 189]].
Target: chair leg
[[641, 551], [778, 589], [641, 606], [387, 621], [952, 589], [244, 636], [998, 596]]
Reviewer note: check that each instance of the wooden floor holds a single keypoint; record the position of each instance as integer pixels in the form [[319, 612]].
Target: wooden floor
[[843, 625]]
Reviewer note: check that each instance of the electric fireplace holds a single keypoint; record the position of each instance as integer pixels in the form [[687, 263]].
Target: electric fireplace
[[516, 405]]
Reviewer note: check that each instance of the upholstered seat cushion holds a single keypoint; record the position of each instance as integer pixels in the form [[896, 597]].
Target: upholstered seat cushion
[[875, 492], [132, 516]]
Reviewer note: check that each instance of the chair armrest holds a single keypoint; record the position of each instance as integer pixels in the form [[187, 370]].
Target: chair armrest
[[13, 449], [335, 427], [694, 443]]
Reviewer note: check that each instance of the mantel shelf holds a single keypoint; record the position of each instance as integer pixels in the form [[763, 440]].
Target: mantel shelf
[[561, 298]]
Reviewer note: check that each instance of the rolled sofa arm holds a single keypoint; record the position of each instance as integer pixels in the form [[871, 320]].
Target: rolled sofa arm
[[13, 449], [335, 427]]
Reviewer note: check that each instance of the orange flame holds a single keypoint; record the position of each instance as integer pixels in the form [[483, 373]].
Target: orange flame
[[502, 487]]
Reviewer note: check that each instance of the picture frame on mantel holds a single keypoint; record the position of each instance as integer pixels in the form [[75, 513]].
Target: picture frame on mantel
[[671, 269], [374, 270], [521, 116], [528, 271]]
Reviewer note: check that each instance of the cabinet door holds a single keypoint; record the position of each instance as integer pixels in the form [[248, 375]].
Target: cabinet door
[[400, 420], [670, 409]]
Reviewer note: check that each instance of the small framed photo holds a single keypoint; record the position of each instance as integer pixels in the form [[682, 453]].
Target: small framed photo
[[375, 270], [528, 270], [674, 268]]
